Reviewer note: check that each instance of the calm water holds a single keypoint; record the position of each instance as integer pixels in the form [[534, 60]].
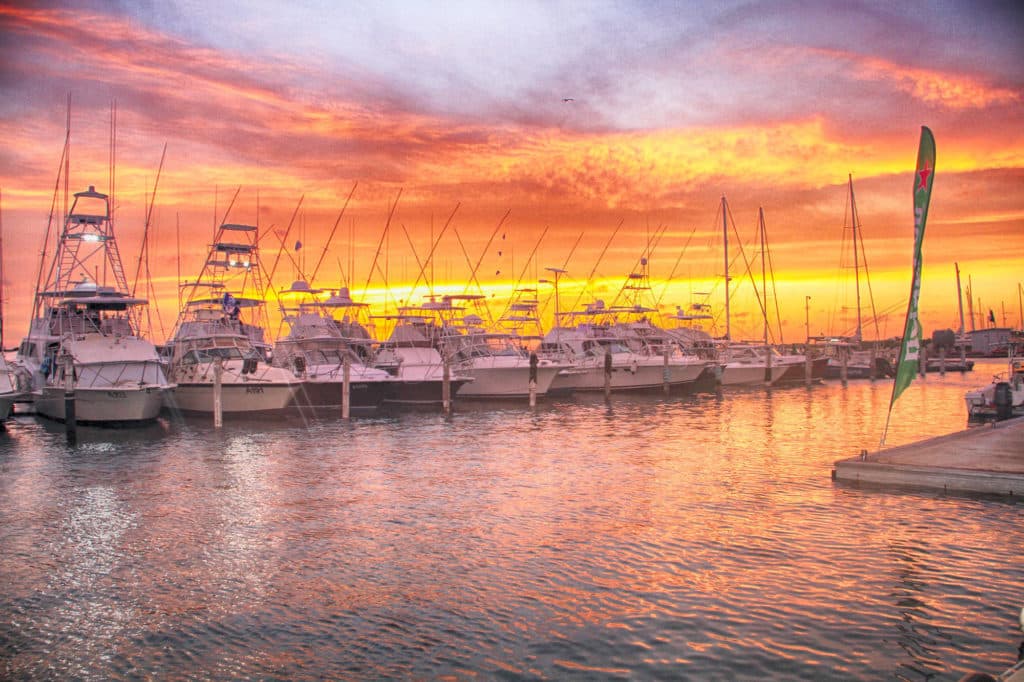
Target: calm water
[[694, 537]]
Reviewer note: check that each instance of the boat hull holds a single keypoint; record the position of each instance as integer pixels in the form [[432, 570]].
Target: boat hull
[[883, 368], [365, 397], [236, 398], [6, 406], [796, 372], [420, 392], [103, 406], [749, 375], [627, 377], [505, 382]]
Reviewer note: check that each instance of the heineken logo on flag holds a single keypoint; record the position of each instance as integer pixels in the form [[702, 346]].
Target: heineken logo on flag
[[910, 349]]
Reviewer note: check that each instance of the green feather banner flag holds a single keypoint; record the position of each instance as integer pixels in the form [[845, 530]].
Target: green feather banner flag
[[910, 349]]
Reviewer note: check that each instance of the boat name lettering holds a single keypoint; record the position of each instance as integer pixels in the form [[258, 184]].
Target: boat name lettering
[[118, 395], [254, 389]]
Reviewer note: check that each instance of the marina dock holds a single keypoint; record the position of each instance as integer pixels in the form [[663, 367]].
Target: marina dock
[[985, 459]]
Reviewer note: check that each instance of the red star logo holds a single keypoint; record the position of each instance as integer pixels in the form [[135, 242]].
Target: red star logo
[[924, 173]]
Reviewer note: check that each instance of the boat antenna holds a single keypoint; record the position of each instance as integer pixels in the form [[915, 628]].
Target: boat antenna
[[475, 268], [67, 158], [529, 259], [642, 263], [284, 241], [590, 277], [113, 161], [380, 245], [330, 237], [421, 264], [1, 271], [675, 267], [433, 247], [144, 251], [177, 238], [227, 211]]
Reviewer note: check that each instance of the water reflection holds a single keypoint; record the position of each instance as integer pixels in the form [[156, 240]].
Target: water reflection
[[649, 538]]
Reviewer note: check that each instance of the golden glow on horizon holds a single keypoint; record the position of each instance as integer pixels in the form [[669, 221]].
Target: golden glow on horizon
[[229, 125]]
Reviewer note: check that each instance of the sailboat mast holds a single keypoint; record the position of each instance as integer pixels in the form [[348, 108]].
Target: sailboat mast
[[764, 281], [959, 297], [970, 302], [856, 263], [1020, 306], [725, 237], [1, 273]]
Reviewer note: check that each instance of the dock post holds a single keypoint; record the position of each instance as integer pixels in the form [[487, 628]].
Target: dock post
[[666, 373], [808, 365], [922, 363], [607, 374], [873, 371], [446, 387], [533, 380], [70, 421], [768, 365], [942, 361], [346, 395], [218, 405], [844, 364]]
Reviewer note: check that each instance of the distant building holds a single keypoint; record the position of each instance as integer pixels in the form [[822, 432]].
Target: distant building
[[991, 342]]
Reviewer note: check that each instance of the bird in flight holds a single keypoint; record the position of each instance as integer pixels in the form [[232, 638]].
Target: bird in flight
[[568, 99]]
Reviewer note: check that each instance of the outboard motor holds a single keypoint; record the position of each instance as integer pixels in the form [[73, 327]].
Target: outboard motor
[[1003, 401]]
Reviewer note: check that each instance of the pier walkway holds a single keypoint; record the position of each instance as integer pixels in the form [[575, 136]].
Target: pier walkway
[[985, 459]]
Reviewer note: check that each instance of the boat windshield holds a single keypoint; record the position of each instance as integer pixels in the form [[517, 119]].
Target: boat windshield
[[327, 356], [120, 374], [224, 352]]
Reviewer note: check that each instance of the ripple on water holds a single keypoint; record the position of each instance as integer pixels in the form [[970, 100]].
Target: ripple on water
[[698, 537]]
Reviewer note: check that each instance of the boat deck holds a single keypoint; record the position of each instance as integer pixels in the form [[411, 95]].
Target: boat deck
[[985, 459]]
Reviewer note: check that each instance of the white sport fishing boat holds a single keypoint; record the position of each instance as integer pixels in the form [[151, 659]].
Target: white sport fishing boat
[[749, 364], [497, 363], [219, 335], [632, 360], [83, 338], [410, 356], [318, 347]]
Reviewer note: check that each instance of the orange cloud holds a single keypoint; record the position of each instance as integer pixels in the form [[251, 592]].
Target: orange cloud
[[954, 91]]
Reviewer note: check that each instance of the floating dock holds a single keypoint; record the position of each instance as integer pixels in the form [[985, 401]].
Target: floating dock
[[985, 459]]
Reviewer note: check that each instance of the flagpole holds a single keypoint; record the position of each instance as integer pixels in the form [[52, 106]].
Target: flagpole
[[910, 348]]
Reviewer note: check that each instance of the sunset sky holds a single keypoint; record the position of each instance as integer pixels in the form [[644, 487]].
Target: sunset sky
[[573, 117]]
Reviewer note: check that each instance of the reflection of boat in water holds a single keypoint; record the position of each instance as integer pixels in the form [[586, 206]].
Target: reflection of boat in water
[[83, 340], [219, 335]]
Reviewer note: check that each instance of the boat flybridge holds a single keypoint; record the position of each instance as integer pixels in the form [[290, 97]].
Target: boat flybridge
[[411, 355], [83, 338], [321, 349], [218, 338], [641, 355], [497, 362]]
